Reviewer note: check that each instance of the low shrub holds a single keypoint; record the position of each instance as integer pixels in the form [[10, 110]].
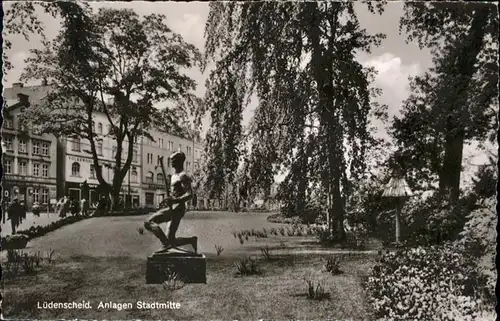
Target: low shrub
[[332, 265], [172, 281], [50, 255], [324, 236], [218, 249], [266, 252], [18, 262], [357, 237], [479, 239], [434, 283], [315, 290], [13, 242], [246, 267], [28, 263]]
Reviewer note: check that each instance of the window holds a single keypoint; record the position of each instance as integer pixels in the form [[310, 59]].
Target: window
[[160, 142], [99, 128], [189, 151], [133, 176], [93, 126], [92, 171], [36, 195], [45, 149], [36, 169], [135, 139], [150, 177], [45, 170], [23, 168], [22, 146], [45, 196], [99, 148], [135, 156], [8, 123], [158, 162], [160, 179], [36, 148], [7, 164], [75, 144], [170, 145], [75, 169], [8, 143], [150, 198]]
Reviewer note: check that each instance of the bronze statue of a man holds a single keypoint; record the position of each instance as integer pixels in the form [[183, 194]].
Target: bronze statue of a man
[[180, 193]]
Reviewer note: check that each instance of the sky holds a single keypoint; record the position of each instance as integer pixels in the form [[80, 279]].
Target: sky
[[394, 59]]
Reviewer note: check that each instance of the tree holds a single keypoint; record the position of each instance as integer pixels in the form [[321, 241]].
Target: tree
[[136, 61], [314, 106], [22, 18], [456, 101]]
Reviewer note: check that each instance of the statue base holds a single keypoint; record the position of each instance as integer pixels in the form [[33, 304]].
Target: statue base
[[190, 267]]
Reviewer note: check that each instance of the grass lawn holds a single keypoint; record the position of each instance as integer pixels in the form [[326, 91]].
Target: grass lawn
[[278, 293], [104, 259]]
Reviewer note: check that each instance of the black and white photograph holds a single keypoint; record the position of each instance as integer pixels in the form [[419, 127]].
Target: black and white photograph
[[252, 160]]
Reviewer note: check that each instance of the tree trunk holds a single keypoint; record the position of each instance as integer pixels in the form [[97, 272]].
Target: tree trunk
[[463, 69], [338, 211], [452, 165]]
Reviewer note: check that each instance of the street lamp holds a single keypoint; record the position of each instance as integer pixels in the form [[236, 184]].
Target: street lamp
[[398, 189]]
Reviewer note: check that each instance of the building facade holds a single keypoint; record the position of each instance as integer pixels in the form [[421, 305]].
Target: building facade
[[29, 159], [44, 168], [78, 165]]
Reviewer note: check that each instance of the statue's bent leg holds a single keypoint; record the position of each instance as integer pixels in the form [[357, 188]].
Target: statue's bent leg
[[151, 224], [180, 241]]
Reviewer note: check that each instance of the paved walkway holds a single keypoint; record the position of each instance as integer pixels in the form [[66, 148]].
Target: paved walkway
[[31, 220]]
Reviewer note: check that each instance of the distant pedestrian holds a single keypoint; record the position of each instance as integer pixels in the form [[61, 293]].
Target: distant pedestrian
[[75, 207], [36, 209], [102, 204], [84, 206], [64, 206], [24, 210], [14, 214]]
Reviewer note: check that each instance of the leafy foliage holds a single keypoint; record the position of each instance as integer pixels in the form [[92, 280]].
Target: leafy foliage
[[456, 101], [313, 96], [479, 238], [435, 283]]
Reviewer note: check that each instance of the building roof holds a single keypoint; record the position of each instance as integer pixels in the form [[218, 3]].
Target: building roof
[[13, 96], [397, 187]]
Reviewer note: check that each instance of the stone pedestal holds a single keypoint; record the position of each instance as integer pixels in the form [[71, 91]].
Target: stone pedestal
[[189, 267]]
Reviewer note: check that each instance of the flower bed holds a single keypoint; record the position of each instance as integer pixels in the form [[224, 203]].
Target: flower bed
[[434, 283]]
